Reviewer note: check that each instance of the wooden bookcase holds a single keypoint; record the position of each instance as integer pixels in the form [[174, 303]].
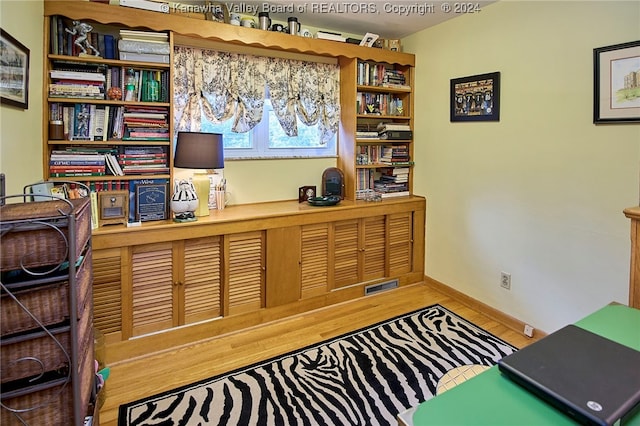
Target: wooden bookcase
[[99, 112], [359, 157]]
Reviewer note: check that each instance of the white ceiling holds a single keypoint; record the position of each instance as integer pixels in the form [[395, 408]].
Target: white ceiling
[[388, 19]]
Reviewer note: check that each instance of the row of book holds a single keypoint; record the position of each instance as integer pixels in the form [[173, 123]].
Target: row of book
[[102, 161], [375, 74], [90, 122], [379, 104], [129, 45], [62, 40], [92, 81]]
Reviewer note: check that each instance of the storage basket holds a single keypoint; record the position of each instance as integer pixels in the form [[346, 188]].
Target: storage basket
[[31, 354], [40, 346], [32, 245], [49, 303], [53, 406]]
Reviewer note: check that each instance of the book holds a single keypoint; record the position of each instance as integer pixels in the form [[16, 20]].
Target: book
[[109, 47], [150, 36], [145, 57], [327, 35], [94, 209], [396, 135]]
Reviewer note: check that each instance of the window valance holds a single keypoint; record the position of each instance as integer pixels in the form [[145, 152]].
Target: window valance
[[227, 85]]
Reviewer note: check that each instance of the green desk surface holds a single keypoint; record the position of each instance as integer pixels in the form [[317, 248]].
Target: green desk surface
[[492, 399]]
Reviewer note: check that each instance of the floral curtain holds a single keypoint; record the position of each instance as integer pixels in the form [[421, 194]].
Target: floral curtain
[[225, 85]]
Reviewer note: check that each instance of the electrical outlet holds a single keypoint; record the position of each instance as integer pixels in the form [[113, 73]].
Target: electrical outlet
[[528, 330], [505, 280]]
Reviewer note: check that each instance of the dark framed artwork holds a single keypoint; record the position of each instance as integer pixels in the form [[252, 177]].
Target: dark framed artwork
[[616, 83], [14, 71], [475, 98]]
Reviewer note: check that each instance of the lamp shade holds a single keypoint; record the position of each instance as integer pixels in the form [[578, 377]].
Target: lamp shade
[[195, 150]]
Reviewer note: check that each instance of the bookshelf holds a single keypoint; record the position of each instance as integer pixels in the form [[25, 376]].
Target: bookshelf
[[108, 121], [376, 135]]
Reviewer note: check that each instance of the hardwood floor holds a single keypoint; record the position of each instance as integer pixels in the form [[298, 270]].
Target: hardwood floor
[[138, 378]]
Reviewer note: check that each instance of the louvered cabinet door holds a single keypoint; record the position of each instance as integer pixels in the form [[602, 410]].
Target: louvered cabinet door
[[346, 251], [244, 272], [373, 242], [201, 283], [107, 300], [152, 288], [400, 243], [314, 260]]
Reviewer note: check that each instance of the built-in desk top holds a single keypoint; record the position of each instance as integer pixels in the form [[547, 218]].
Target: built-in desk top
[[249, 217], [492, 399]]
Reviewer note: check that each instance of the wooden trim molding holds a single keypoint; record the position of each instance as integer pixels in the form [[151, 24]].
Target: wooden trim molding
[[217, 31], [494, 314]]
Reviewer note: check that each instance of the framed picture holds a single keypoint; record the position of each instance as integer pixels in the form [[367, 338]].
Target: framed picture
[[476, 98], [616, 83], [14, 71]]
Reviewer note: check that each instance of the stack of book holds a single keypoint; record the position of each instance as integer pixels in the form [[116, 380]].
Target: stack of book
[[77, 83], [77, 161], [395, 78], [393, 182], [394, 131], [139, 160], [144, 46], [145, 123]]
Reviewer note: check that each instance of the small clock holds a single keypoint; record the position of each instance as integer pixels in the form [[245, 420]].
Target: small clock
[[113, 207], [306, 192]]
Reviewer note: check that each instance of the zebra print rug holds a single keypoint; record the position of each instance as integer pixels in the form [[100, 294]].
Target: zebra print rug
[[365, 377]]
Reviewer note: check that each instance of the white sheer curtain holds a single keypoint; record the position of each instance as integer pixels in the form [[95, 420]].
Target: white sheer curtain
[[225, 85]]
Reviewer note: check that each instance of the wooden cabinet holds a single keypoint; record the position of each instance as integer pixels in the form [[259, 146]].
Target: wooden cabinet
[[167, 284], [245, 265], [46, 333]]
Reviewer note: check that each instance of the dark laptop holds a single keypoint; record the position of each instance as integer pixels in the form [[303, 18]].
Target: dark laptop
[[588, 377]]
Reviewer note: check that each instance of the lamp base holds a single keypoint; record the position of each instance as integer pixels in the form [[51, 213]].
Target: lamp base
[[202, 184]]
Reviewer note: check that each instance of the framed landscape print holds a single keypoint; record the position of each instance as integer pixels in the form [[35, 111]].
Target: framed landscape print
[[14, 71], [475, 98], [616, 83]]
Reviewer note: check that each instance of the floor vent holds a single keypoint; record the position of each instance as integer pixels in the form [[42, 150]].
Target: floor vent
[[377, 288]]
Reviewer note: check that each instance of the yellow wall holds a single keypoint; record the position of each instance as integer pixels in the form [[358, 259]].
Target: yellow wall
[[540, 194], [21, 130]]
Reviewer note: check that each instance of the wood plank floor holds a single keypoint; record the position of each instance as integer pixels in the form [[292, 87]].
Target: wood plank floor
[[149, 375]]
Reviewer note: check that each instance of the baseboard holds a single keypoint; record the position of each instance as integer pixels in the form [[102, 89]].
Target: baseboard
[[496, 315]]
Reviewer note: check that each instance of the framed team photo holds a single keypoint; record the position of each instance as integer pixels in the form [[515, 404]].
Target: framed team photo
[[14, 71], [476, 98]]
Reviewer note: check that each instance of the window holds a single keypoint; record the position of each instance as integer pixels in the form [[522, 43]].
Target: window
[[268, 139]]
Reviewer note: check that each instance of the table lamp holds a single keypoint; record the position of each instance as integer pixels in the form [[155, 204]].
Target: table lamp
[[195, 150]]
